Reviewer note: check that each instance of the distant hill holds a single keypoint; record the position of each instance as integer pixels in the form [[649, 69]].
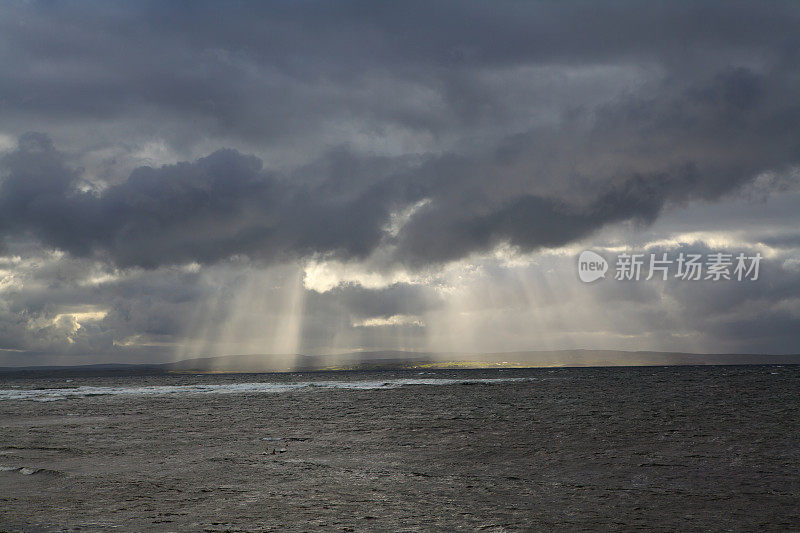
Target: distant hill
[[624, 358], [402, 359], [261, 362]]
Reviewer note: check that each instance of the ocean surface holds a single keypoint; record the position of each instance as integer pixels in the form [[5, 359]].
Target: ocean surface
[[568, 449]]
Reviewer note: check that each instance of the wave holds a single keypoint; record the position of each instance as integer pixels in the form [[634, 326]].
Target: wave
[[49, 395], [30, 471]]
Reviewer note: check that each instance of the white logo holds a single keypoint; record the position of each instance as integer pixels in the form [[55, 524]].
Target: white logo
[[591, 266], [717, 266]]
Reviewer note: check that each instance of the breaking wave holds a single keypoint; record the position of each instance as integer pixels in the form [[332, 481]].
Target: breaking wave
[[49, 395]]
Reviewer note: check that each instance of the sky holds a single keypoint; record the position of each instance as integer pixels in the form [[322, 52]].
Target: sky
[[184, 179]]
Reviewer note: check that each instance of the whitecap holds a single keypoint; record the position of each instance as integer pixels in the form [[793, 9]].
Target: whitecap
[[85, 391]]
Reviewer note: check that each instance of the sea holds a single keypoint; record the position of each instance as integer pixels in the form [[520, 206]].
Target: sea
[[689, 448]]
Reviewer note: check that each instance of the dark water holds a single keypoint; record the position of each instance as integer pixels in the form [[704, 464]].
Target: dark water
[[661, 449]]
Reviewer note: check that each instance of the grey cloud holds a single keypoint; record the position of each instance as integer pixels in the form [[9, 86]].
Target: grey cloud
[[719, 111], [397, 299], [746, 316], [699, 142], [216, 207], [272, 70]]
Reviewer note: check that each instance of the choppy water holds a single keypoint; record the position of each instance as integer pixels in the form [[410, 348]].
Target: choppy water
[[663, 449]]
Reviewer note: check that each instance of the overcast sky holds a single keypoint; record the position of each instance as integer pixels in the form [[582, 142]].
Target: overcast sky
[[181, 179]]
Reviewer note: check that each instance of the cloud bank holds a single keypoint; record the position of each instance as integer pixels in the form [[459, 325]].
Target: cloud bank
[[393, 142]]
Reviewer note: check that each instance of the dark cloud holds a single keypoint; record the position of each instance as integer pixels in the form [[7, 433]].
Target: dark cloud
[[720, 110], [712, 139], [273, 71], [211, 209]]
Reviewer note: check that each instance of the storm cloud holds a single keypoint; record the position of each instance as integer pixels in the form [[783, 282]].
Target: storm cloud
[[713, 138]]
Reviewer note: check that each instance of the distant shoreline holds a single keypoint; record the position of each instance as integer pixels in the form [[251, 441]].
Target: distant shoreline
[[362, 361]]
